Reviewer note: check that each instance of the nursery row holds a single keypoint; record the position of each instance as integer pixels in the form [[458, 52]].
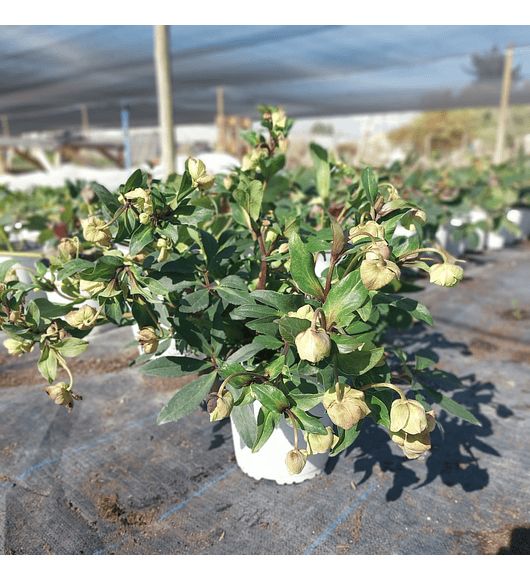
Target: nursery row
[[272, 291]]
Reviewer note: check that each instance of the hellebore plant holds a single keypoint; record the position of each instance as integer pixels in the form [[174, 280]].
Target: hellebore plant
[[223, 268]]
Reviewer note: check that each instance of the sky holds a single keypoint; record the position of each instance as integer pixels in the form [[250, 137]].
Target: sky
[[316, 69]]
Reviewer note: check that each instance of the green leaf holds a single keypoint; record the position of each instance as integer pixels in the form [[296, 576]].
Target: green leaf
[[283, 302], [344, 297], [306, 401], [345, 343], [265, 326], [270, 397], [47, 364], [303, 268], [290, 327], [70, 347], [245, 422], [5, 266], [275, 367], [424, 359], [108, 199], [370, 186], [173, 366], [379, 408], [266, 422], [33, 315], [235, 296], [322, 170], [249, 198], [207, 243], [196, 301], [308, 422], [413, 307], [134, 181], [74, 267], [49, 310], [142, 235], [346, 438], [255, 311], [359, 362], [187, 399], [269, 342], [245, 353]]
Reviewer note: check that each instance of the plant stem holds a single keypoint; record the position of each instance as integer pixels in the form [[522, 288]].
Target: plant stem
[[387, 385]]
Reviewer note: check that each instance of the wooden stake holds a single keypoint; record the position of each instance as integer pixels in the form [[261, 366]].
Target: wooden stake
[[498, 156], [84, 120], [221, 121], [165, 102]]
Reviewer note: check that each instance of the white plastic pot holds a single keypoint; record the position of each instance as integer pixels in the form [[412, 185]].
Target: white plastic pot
[[269, 461], [22, 274], [171, 351], [521, 217], [443, 236]]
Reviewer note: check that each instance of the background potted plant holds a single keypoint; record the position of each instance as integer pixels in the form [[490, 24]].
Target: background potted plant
[[223, 268]]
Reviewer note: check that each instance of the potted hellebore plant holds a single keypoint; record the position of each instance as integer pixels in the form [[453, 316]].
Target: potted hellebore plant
[[222, 269]]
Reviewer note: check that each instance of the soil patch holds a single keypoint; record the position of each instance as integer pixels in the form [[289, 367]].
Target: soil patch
[[30, 374]]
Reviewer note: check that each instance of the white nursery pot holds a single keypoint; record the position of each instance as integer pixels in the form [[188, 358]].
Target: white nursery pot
[[23, 275], [269, 461], [171, 351], [521, 217], [443, 236]]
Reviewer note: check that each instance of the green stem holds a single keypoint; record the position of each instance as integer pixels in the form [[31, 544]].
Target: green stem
[[228, 379], [318, 313], [413, 252], [387, 385], [122, 209], [23, 254], [62, 362]]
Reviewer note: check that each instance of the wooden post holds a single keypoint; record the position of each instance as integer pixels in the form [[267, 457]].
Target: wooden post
[[5, 163], [84, 120], [165, 102], [221, 121], [498, 156]]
